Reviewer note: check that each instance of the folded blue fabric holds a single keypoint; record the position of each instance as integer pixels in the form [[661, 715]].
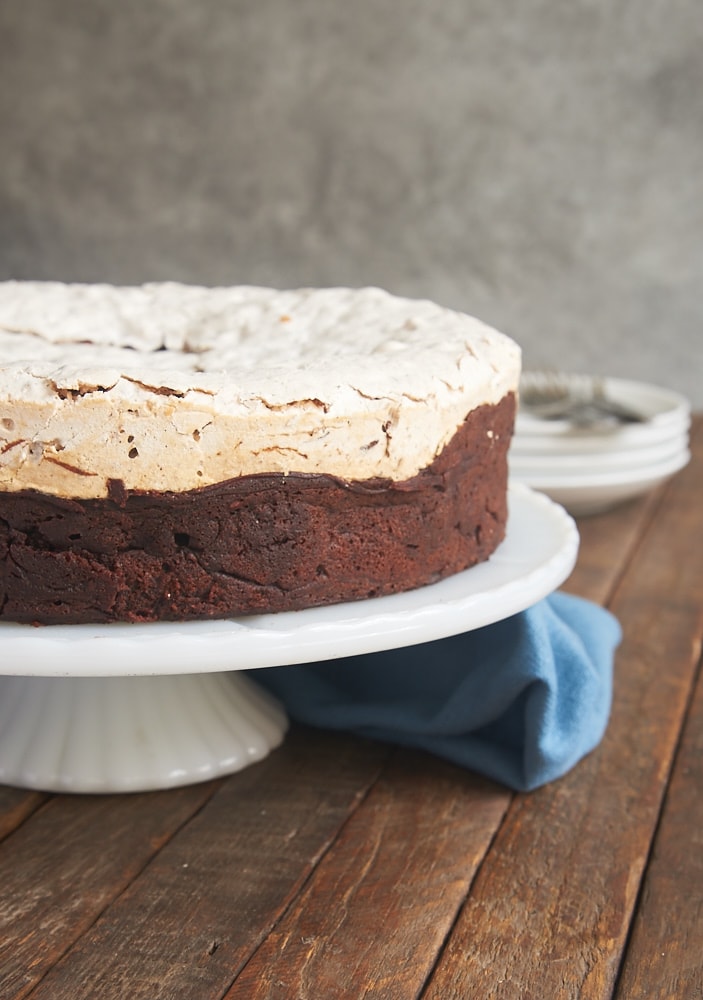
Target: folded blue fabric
[[520, 701]]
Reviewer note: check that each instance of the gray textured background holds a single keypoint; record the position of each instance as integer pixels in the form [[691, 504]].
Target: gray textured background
[[538, 163]]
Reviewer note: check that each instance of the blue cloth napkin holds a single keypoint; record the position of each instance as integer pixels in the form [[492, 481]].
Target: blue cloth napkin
[[520, 701]]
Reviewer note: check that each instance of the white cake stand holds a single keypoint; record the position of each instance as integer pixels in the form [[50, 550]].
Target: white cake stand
[[117, 708]]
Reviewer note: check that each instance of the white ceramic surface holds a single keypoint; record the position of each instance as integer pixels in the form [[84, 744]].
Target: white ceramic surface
[[630, 437], [594, 463], [595, 493], [537, 554], [590, 469], [116, 734], [127, 708]]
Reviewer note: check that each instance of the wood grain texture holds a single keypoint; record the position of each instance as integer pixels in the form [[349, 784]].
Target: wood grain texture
[[66, 863], [665, 955], [607, 542], [376, 912], [187, 925], [550, 911], [16, 804]]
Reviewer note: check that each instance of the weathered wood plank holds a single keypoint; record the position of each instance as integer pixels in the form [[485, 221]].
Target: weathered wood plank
[[551, 907], [608, 541], [189, 923], [66, 863], [16, 804], [665, 957], [375, 914]]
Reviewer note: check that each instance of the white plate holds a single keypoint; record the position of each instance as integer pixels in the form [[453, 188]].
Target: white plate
[[593, 494], [630, 437], [594, 463], [126, 708], [536, 556], [650, 472], [663, 409]]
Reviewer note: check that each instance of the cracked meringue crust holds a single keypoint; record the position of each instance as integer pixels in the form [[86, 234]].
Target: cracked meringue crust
[[170, 387]]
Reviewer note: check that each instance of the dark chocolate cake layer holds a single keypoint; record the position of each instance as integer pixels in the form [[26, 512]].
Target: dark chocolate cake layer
[[261, 543]]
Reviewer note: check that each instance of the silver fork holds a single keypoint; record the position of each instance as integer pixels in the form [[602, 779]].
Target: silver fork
[[581, 400]]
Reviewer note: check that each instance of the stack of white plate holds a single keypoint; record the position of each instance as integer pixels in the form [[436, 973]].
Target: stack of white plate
[[592, 466]]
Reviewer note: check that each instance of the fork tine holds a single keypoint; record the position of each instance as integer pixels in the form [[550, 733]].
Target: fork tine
[[581, 399]]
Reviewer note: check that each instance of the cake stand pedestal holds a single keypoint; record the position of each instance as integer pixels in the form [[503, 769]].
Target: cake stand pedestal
[[122, 708], [126, 734]]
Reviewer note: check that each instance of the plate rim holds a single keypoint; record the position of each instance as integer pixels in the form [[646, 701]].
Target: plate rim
[[645, 473], [679, 408], [600, 461]]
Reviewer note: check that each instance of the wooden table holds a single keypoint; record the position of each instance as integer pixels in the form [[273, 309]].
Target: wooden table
[[343, 868]]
